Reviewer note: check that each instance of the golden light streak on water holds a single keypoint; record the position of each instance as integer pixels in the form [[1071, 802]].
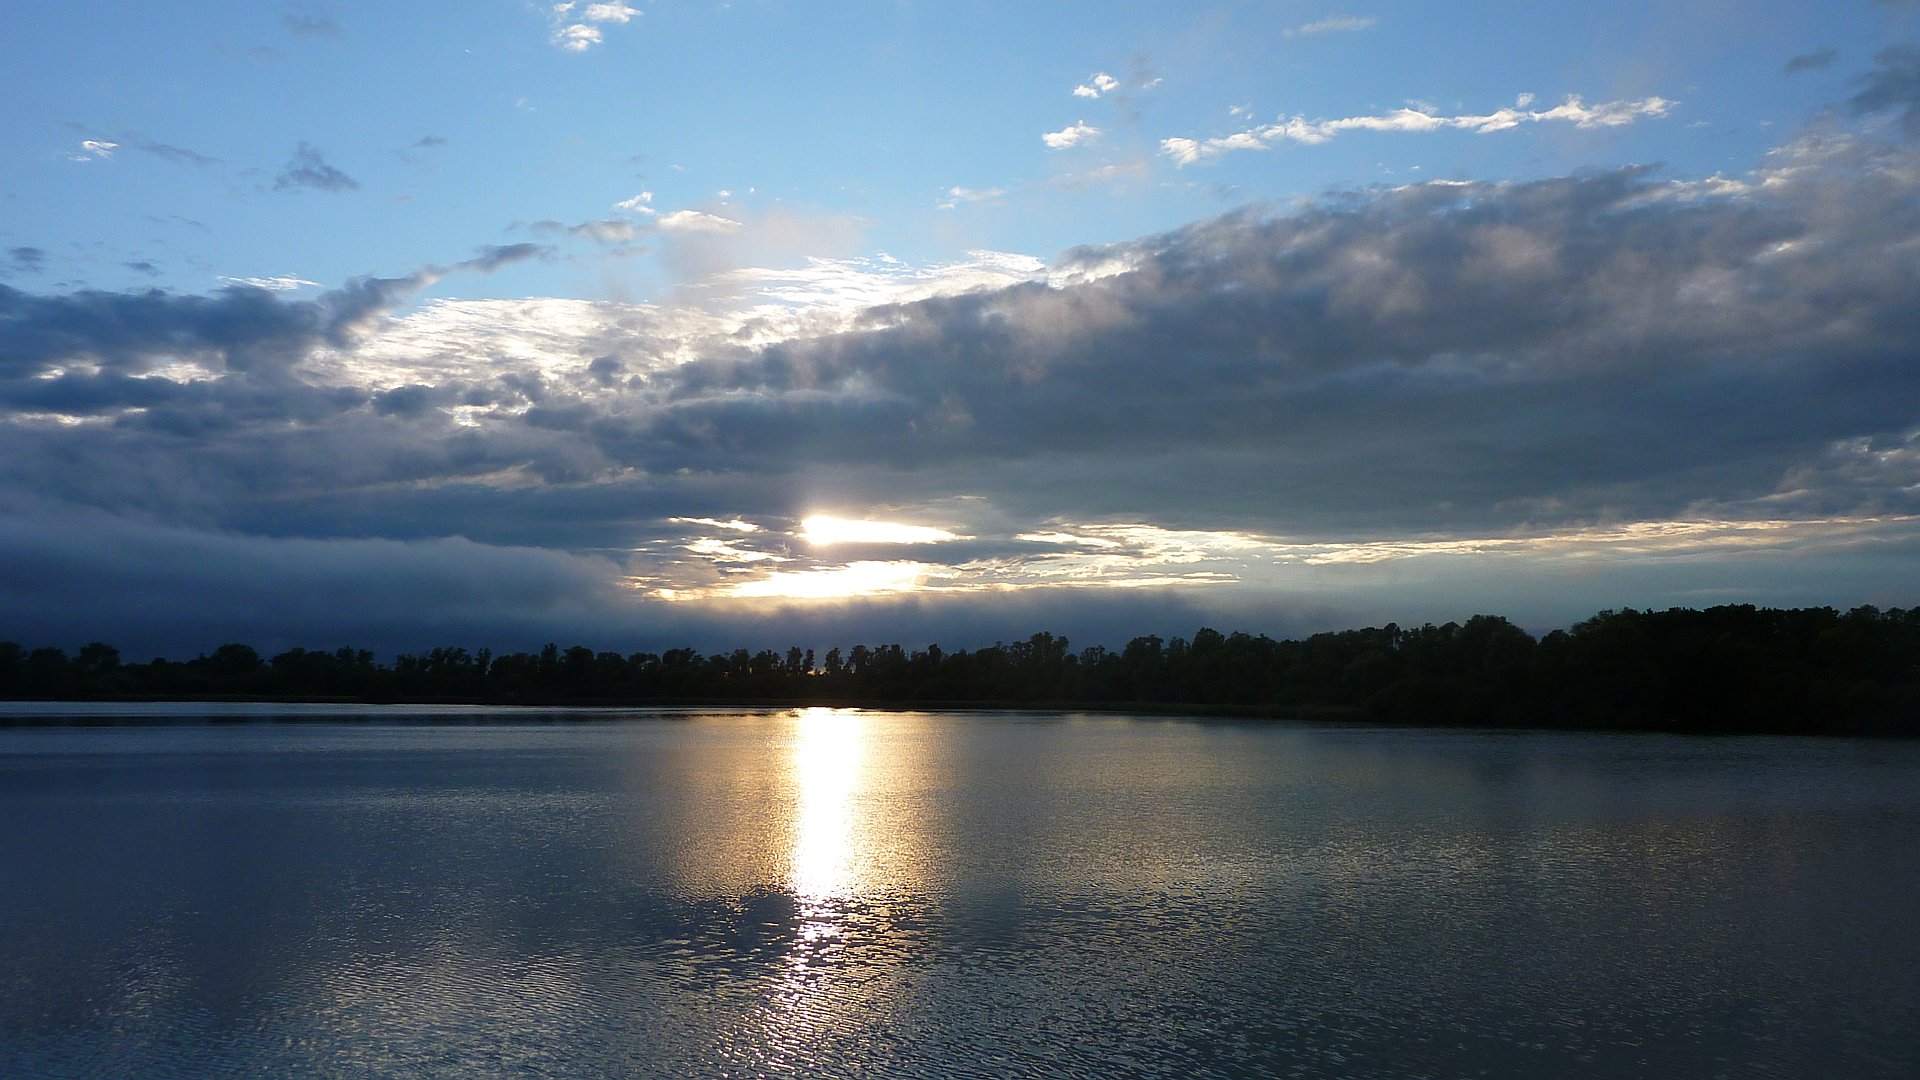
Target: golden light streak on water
[[808, 1004], [828, 753]]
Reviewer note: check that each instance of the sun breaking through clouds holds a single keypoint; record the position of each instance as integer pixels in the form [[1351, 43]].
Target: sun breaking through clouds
[[1290, 327]]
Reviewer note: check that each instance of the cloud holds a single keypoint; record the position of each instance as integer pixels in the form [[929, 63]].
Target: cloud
[[200, 587], [1382, 394], [577, 37], [181, 154], [307, 169], [1573, 110], [696, 221], [581, 35], [1099, 83], [1334, 24], [311, 20], [957, 195], [310, 26], [1818, 60], [615, 13], [639, 204], [1892, 84], [283, 283], [1072, 135], [605, 230], [495, 256], [428, 142], [101, 149], [27, 259]]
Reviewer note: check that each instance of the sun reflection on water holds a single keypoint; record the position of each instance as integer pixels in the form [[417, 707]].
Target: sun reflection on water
[[824, 873], [829, 746]]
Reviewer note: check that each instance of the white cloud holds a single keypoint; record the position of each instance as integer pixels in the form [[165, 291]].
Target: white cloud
[[617, 13], [577, 37], [1334, 24], [718, 550], [1100, 83], [637, 204], [957, 195], [283, 283], [1072, 135], [838, 288], [695, 221], [94, 149], [731, 525], [1185, 151]]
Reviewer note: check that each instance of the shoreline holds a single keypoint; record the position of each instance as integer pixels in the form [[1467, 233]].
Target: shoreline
[[71, 713]]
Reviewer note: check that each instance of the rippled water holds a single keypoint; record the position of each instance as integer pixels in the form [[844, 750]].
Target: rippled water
[[867, 894]]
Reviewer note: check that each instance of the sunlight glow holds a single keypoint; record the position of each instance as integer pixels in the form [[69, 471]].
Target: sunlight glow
[[822, 530], [853, 579]]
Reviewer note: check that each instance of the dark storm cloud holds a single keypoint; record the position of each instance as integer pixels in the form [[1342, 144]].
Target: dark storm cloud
[[307, 169], [1442, 355], [1893, 84], [71, 568], [76, 573], [238, 328], [1818, 60]]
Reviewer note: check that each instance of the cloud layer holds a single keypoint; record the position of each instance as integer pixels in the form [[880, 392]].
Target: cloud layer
[[1431, 376]]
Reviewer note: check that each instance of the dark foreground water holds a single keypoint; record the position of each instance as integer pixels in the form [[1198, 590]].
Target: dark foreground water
[[864, 894]]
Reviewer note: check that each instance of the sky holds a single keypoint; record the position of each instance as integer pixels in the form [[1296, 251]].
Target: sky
[[761, 323]]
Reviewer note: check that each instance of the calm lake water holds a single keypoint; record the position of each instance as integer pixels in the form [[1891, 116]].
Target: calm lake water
[[833, 893]]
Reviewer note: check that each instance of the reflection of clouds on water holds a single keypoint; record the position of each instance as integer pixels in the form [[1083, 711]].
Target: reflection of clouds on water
[[841, 894]]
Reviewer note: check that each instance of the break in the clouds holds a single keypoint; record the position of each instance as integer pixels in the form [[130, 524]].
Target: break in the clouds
[[307, 169], [1573, 110]]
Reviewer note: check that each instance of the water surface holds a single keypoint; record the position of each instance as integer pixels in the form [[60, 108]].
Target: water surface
[[843, 893]]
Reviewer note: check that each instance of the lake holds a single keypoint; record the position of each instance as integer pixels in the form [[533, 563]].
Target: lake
[[474, 893]]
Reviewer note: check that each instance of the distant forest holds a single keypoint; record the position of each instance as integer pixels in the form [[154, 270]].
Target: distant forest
[[1724, 669]]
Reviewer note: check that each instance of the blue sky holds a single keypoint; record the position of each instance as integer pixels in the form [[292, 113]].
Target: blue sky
[[1270, 315]]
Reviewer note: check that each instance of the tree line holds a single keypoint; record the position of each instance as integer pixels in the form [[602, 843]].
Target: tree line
[[1722, 669]]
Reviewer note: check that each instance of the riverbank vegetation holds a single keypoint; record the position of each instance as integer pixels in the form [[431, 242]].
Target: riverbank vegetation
[[1723, 669]]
